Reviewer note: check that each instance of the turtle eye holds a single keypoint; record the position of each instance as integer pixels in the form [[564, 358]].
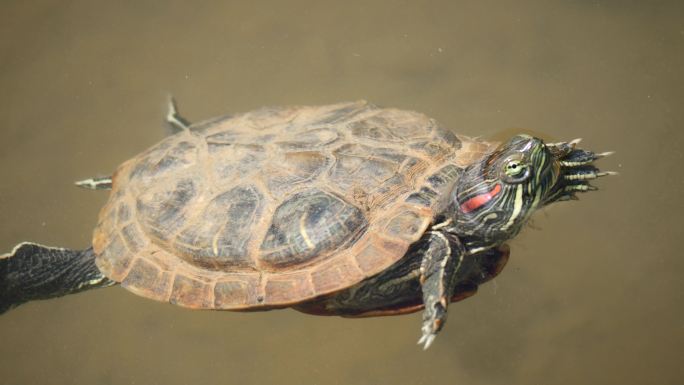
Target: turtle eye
[[515, 170]]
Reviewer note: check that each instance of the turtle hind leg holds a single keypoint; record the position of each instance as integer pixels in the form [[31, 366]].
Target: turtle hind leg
[[32, 271], [174, 122]]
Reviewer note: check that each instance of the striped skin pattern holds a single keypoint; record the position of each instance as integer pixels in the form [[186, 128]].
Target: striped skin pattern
[[497, 196], [493, 204]]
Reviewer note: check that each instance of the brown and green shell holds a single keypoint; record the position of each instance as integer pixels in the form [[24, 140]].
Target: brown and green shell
[[276, 206]]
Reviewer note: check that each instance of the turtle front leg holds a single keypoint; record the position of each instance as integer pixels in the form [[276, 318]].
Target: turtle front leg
[[175, 123], [441, 261], [97, 183]]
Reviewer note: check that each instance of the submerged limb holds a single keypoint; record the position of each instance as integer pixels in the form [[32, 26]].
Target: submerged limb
[[441, 261], [32, 271]]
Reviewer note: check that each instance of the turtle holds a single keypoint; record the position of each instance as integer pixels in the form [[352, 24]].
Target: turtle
[[346, 209]]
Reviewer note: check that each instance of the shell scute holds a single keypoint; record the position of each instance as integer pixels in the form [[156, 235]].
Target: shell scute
[[133, 238], [288, 288], [113, 257], [375, 255], [293, 170], [123, 213], [314, 138], [144, 277], [373, 170], [190, 292], [326, 277], [245, 161], [220, 235], [233, 294], [162, 212], [310, 225], [406, 225]]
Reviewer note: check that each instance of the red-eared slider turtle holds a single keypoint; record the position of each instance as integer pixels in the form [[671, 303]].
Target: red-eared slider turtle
[[345, 209]]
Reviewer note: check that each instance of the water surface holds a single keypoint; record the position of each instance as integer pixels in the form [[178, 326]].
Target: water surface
[[593, 291]]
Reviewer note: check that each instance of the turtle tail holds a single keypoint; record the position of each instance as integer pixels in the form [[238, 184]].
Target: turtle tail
[[32, 271]]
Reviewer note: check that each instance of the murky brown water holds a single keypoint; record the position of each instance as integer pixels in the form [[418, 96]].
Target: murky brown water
[[592, 297]]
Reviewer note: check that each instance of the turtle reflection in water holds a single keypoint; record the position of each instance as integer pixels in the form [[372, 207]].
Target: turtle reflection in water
[[345, 209]]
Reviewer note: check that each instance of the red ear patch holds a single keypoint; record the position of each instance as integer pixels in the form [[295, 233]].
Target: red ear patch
[[478, 200]]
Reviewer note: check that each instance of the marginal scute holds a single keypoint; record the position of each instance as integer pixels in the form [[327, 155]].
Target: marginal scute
[[287, 288], [141, 274], [372, 257], [341, 114], [230, 294], [268, 117], [391, 125], [407, 125], [326, 278], [190, 292], [113, 259]]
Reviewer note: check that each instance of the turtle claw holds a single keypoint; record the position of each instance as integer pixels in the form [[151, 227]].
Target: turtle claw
[[432, 324], [604, 154], [577, 169], [427, 339], [100, 183], [575, 142], [607, 173]]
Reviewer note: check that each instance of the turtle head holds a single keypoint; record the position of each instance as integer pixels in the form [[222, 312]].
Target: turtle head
[[496, 196]]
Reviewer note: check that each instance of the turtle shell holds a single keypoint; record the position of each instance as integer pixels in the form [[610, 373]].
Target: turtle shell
[[276, 206]]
